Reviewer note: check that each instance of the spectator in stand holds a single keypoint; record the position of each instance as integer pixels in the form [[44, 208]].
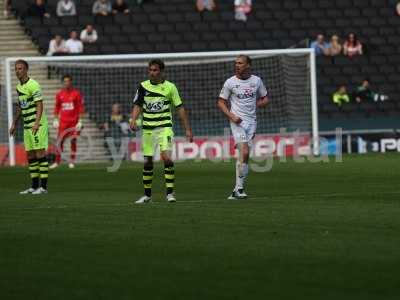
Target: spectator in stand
[[335, 48], [398, 8], [73, 44], [203, 5], [66, 8], [341, 96], [37, 9], [120, 6], [116, 127], [101, 8], [364, 93], [320, 46], [242, 9], [57, 46], [352, 46], [7, 8], [89, 34]]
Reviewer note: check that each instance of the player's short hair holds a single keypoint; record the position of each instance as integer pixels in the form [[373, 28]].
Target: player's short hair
[[246, 57], [157, 62], [67, 76], [22, 62]]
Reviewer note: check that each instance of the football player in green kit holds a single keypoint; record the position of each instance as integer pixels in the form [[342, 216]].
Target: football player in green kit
[[30, 109]]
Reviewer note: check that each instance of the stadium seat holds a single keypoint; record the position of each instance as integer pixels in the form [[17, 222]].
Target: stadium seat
[[163, 47], [122, 19], [91, 49], [69, 21], [126, 48]]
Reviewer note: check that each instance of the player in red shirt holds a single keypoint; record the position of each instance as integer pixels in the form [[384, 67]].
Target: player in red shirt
[[67, 112]]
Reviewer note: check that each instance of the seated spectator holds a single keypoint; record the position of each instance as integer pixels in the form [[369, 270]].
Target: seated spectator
[[101, 8], [73, 44], [203, 5], [120, 6], [37, 9], [320, 46], [66, 8], [341, 96], [89, 34], [242, 9], [335, 48], [364, 93], [398, 8], [116, 126], [57, 46], [352, 46], [7, 8]]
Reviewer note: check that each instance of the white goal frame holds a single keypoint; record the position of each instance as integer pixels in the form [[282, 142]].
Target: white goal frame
[[313, 78]]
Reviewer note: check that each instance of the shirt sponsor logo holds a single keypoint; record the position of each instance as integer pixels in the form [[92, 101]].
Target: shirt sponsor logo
[[247, 93], [67, 106], [154, 106]]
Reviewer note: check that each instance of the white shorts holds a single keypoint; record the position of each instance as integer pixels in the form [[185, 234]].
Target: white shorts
[[243, 132]]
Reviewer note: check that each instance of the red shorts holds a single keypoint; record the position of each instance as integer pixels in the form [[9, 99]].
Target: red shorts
[[67, 130]]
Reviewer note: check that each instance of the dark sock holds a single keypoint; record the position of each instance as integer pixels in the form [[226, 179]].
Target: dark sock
[[147, 180], [44, 172], [169, 174], [34, 172]]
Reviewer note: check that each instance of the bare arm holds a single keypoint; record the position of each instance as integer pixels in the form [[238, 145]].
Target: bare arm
[[221, 103], [39, 112], [136, 112], [262, 102], [185, 123], [16, 119]]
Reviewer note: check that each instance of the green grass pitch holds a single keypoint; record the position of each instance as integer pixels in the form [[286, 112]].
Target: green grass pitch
[[307, 231]]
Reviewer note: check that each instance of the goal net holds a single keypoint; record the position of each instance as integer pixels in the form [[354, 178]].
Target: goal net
[[108, 80]]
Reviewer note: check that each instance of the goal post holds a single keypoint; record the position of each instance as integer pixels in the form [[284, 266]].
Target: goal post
[[289, 75]]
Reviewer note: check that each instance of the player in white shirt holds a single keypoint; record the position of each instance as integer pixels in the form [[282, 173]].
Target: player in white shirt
[[246, 93]]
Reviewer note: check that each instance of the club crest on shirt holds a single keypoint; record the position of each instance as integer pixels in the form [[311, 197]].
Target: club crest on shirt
[[24, 103]]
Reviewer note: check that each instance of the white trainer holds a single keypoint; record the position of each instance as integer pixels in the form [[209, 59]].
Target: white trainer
[[53, 166], [237, 195], [39, 191], [27, 191], [143, 199], [171, 198], [71, 165]]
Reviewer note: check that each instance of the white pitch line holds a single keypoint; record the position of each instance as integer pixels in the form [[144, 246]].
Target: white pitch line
[[250, 199]]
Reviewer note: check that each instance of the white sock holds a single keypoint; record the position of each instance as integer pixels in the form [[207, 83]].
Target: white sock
[[242, 170]]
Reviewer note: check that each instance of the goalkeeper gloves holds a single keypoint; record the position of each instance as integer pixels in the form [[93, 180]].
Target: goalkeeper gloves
[[56, 123], [79, 125]]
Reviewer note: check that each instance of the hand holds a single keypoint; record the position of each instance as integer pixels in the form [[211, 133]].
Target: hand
[[79, 125], [35, 128], [56, 123], [189, 135], [12, 129], [262, 103], [133, 125], [236, 119]]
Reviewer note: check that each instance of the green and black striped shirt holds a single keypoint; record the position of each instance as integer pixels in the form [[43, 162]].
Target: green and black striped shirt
[[28, 94], [157, 101]]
